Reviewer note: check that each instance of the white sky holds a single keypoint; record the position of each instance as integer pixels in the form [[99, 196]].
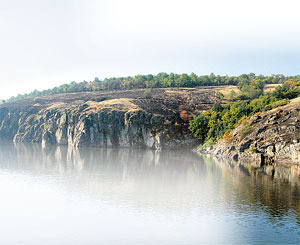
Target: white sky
[[44, 43]]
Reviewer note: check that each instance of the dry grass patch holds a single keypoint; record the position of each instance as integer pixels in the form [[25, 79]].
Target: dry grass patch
[[56, 105], [122, 104], [182, 92], [225, 90], [293, 103], [270, 87]]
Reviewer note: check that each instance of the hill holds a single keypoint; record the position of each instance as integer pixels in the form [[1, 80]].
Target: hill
[[154, 118], [265, 139], [161, 80]]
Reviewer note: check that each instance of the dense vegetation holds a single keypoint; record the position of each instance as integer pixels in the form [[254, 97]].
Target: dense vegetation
[[161, 80], [221, 119]]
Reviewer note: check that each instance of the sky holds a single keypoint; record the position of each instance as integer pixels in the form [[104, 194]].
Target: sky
[[45, 43]]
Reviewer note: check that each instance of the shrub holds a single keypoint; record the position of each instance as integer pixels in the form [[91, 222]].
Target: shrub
[[253, 150], [198, 126], [228, 137], [147, 93], [208, 143], [242, 120], [217, 122]]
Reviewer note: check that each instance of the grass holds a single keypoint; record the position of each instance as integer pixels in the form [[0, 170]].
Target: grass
[[270, 87], [56, 105], [253, 150], [228, 137], [226, 90], [246, 128], [122, 104]]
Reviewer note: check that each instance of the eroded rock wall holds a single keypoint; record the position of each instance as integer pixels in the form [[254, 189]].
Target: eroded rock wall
[[104, 123], [265, 139]]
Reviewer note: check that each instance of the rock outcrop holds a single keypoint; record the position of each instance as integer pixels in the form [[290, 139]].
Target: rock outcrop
[[106, 119], [265, 139]]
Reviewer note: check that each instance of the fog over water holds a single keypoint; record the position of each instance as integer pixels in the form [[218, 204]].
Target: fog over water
[[125, 196]]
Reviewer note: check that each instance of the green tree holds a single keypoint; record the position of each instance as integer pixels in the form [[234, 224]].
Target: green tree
[[198, 127]]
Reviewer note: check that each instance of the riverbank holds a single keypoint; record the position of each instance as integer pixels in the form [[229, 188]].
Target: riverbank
[[264, 139]]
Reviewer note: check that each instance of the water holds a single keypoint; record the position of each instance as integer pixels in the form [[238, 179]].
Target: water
[[106, 196]]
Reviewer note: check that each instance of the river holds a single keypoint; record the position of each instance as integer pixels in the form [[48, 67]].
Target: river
[[124, 196]]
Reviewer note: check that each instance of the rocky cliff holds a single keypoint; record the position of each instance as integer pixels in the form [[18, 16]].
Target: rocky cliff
[[265, 139], [133, 118]]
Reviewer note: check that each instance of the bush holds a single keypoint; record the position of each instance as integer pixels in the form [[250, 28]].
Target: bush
[[217, 122], [228, 137], [147, 93], [198, 126], [253, 150], [208, 143], [250, 85]]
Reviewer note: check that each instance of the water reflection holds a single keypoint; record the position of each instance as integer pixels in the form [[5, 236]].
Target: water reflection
[[134, 196], [278, 194]]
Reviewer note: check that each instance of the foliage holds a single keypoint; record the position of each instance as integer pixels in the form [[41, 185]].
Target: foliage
[[147, 93], [253, 150], [228, 137], [220, 120], [232, 95], [198, 126], [247, 82], [246, 127], [219, 95]]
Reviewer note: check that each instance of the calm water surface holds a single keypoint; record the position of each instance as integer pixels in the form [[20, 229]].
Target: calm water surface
[[106, 196]]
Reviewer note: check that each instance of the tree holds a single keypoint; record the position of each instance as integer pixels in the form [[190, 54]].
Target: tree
[[232, 94], [198, 127], [219, 95]]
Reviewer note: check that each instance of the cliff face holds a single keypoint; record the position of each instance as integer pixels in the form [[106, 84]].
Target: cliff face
[[106, 119], [265, 139]]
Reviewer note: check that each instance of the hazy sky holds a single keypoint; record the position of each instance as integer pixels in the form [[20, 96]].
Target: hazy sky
[[45, 43]]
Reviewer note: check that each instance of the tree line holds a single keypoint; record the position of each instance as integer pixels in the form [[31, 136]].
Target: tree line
[[161, 80]]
